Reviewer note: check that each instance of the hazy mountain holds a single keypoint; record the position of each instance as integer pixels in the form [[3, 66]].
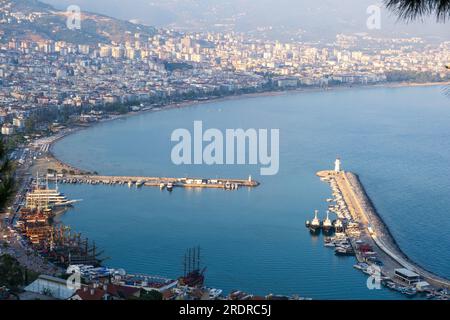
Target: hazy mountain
[[311, 18], [33, 19]]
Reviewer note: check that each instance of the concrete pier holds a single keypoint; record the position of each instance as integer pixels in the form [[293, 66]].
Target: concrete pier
[[219, 183], [373, 230]]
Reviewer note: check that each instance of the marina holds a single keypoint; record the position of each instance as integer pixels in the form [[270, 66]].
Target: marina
[[367, 238]]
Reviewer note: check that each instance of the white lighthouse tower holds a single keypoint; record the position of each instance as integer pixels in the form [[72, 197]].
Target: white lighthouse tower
[[337, 165]]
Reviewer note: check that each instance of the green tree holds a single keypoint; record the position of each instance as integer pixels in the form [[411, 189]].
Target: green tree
[[149, 295], [6, 180], [11, 273], [30, 124]]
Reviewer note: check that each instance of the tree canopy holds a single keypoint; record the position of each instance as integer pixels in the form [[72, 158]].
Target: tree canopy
[[6, 181], [11, 274]]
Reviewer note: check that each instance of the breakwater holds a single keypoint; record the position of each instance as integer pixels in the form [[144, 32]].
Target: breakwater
[[373, 229]]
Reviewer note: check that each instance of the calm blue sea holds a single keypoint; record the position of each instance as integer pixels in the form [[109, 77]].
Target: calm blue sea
[[396, 139]]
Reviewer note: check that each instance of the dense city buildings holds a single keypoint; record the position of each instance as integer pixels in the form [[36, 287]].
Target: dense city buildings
[[170, 66], [56, 81]]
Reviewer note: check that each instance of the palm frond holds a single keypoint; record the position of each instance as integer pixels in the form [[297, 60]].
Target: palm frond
[[446, 90], [415, 9]]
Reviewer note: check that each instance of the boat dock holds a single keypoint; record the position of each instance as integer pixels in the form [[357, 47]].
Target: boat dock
[[366, 226], [162, 182]]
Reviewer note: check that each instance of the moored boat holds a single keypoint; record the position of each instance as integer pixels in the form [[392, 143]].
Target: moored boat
[[314, 227], [139, 183], [344, 251], [327, 226], [338, 226]]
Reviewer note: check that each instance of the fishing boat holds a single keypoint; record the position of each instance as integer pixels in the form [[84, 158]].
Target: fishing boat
[[170, 186], [314, 226], [327, 226], [162, 186]]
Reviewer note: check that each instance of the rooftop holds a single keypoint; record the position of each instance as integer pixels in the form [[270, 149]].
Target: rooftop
[[406, 272]]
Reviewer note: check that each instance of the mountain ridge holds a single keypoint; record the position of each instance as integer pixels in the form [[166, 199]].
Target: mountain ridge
[[35, 20]]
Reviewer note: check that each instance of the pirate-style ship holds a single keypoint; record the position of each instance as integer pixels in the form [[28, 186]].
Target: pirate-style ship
[[193, 276]]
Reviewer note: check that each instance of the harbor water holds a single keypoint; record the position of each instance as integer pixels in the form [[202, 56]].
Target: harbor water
[[396, 139]]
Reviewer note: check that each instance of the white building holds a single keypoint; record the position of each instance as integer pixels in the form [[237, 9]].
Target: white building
[[19, 123], [337, 165], [55, 287], [7, 129]]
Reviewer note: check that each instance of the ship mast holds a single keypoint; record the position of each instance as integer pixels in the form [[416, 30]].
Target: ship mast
[[189, 260], [198, 258], [185, 257]]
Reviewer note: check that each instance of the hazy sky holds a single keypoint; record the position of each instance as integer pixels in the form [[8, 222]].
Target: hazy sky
[[318, 18]]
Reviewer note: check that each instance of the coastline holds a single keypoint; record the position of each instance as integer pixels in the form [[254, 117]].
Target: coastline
[[52, 156], [187, 104]]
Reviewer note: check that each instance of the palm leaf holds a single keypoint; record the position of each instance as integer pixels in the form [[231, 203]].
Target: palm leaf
[[415, 9], [446, 90]]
